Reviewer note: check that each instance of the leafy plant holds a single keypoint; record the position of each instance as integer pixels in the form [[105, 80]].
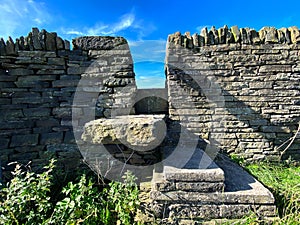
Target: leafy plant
[[25, 200], [82, 204], [122, 200]]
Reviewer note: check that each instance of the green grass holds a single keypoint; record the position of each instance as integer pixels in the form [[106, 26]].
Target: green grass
[[27, 198], [283, 180]]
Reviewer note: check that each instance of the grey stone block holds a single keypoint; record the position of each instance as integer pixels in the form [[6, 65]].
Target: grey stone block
[[4, 143], [24, 140], [50, 41], [11, 125], [37, 112], [217, 211], [98, 43], [65, 83], [193, 175], [10, 114], [51, 122], [201, 186], [139, 132], [26, 149], [69, 138], [242, 193], [24, 158], [62, 112], [51, 138]]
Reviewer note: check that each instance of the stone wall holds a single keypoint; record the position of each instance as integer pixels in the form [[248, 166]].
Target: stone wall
[[237, 88], [46, 88], [151, 101]]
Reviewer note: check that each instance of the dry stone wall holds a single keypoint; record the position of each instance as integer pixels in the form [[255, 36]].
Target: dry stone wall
[[238, 88], [39, 78]]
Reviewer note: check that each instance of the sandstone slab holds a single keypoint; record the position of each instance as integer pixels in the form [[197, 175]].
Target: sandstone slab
[[189, 193], [99, 43], [193, 175], [138, 132]]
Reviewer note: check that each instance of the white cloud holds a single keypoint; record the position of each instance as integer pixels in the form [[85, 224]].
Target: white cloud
[[148, 50], [38, 21], [100, 29], [97, 30], [150, 82], [19, 16], [127, 24], [73, 32], [150, 74]]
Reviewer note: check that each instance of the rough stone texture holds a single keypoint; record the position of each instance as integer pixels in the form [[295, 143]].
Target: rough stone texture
[[193, 175], [139, 132], [199, 175], [236, 88], [45, 86], [99, 43], [267, 35], [208, 212], [242, 193], [200, 186], [240, 95]]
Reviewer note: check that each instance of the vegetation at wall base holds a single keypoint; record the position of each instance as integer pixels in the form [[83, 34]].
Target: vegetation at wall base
[[283, 180], [27, 199]]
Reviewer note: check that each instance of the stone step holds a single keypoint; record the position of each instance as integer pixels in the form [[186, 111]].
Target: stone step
[[217, 198], [162, 185], [210, 175], [212, 211], [178, 196], [199, 174]]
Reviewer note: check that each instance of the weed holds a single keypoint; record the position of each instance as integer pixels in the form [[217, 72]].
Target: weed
[[284, 182], [27, 200]]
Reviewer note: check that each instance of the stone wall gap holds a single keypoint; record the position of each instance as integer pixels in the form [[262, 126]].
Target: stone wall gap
[[257, 72]]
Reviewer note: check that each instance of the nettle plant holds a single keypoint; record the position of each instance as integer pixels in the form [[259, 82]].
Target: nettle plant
[[26, 199]]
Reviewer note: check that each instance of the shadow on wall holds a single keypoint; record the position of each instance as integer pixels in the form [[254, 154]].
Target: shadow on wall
[[234, 127], [180, 148], [151, 101]]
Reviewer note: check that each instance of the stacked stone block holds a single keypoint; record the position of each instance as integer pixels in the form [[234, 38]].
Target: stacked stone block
[[238, 88], [197, 192], [39, 78], [190, 178]]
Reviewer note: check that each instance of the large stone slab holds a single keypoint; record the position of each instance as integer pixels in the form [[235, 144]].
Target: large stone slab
[[199, 174], [190, 194], [213, 197], [99, 43], [138, 132], [193, 175], [218, 211], [159, 184]]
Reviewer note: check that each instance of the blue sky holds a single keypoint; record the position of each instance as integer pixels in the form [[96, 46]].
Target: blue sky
[[145, 24]]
